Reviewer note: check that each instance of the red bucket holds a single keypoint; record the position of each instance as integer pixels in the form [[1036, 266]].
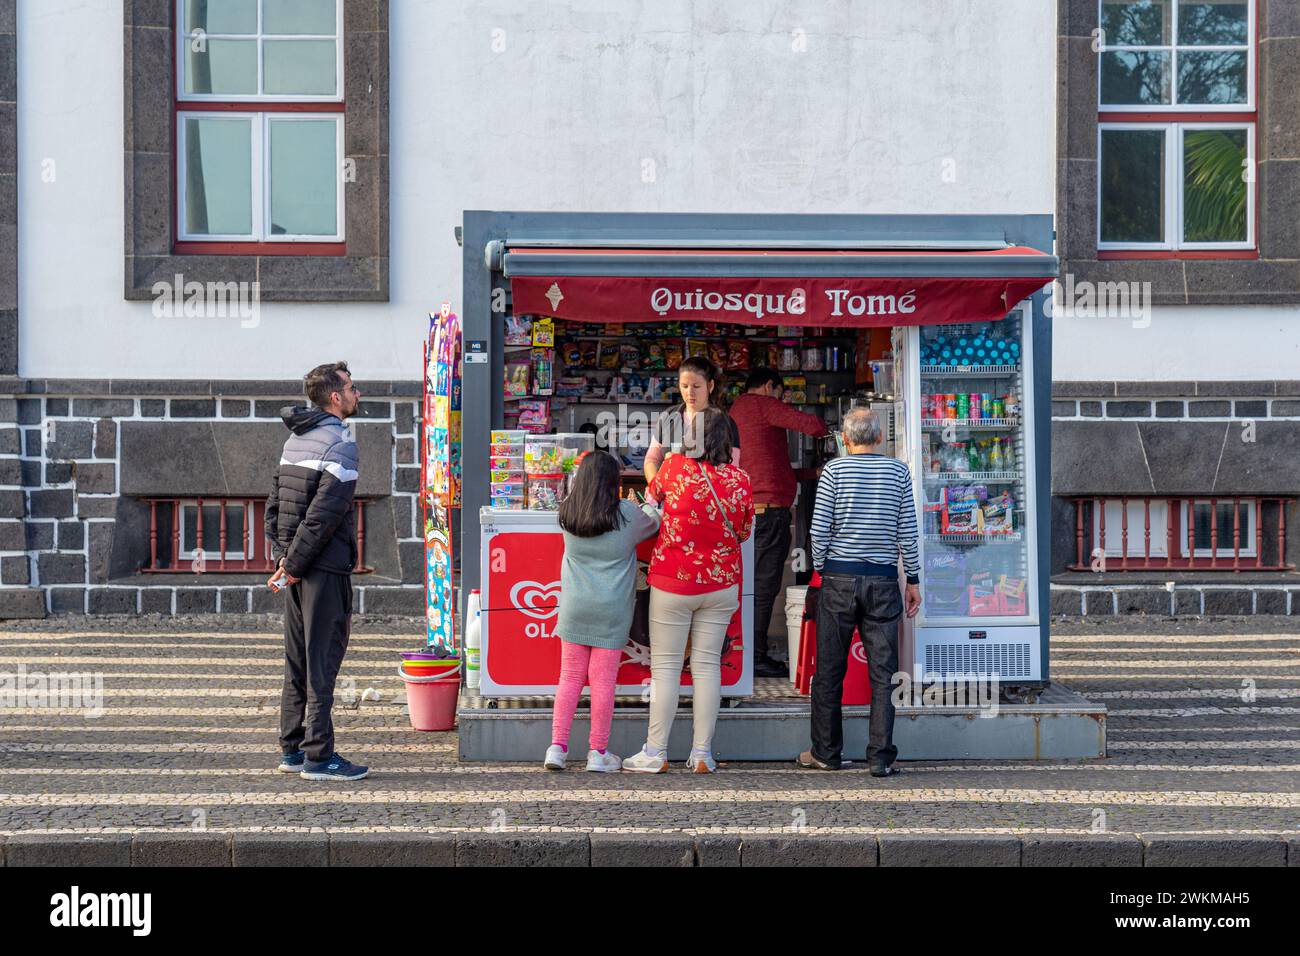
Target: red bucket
[[431, 701]]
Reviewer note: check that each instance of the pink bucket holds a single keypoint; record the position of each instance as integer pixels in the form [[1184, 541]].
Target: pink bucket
[[432, 700]]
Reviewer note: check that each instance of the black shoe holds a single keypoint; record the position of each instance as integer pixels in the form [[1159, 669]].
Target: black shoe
[[880, 770], [766, 667]]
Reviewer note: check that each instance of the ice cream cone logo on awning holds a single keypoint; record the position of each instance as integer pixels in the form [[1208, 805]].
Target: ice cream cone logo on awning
[[554, 295]]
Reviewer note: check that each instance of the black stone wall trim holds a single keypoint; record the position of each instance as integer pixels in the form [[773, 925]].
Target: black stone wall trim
[[362, 275], [211, 387], [1177, 408], [1264, 388], [1273, 278], [8, 187], [1211, 599]]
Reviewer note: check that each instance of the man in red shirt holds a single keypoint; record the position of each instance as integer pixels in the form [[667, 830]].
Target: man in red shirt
[[763, 420]]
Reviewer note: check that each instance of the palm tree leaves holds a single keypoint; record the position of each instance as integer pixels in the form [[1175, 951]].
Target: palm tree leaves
[[1214, 191]]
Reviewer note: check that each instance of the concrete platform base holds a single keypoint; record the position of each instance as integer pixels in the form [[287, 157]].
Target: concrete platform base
[[680, 848], [1061, 725]]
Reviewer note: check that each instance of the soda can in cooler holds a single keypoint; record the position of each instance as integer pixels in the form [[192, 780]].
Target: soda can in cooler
[[949, 406], [963, 405], [975, 409], [986, 404], [999, 410]]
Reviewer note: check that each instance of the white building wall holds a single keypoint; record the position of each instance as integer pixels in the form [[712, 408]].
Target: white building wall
[[1180, 343], [873, 106]]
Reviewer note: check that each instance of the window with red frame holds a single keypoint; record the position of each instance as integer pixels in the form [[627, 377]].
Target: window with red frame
[[259, 125], [1176, 127]]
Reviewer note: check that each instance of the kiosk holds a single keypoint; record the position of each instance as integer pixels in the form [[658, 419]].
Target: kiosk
[[939, 319]]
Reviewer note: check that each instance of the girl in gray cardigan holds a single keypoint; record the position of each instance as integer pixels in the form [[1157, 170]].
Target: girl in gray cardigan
[[597, 583]]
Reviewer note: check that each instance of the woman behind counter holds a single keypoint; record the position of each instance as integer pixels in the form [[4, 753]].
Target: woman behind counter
[[698, 380], [597, 580], [694, 578]]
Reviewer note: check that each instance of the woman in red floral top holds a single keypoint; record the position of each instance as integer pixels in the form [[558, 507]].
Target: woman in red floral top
[[694, 585]]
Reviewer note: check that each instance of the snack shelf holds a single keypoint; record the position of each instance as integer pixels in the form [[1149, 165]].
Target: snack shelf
[[1007, 477], [982, 537], [966, 371], [569, 337], [617, 401], [626, 370], [935, 424]]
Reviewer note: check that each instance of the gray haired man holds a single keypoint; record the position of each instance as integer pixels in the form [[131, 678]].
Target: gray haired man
[[864, 518]]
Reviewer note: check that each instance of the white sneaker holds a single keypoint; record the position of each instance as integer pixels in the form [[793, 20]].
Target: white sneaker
[[701, 763], [556, 756], [606, 762], [642, 762]]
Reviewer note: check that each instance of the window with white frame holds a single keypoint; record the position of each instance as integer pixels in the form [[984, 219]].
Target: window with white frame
[[1213, 532], [1156, 512], [1176, 186], [1175, 54], [259, 121], [1215, 529], [237, 532], [1176, 125]]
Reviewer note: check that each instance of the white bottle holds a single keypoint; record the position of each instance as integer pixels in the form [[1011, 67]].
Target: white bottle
[[473, 638]]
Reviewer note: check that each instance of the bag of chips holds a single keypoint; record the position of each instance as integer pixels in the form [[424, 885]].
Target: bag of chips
[[544, 333]]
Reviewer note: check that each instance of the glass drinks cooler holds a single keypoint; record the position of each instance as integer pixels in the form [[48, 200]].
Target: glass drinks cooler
[[966, 417]]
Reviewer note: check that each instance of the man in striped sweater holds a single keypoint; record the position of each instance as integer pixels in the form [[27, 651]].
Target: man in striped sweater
[[864, 519]]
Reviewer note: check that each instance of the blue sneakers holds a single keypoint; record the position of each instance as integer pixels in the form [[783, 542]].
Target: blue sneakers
[[336, 768], [292, 763]]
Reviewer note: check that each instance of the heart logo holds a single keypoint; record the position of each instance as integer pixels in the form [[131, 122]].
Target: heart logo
[[529, 596]]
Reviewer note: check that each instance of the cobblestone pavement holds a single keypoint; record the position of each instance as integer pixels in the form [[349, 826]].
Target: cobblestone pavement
[[188, 738]]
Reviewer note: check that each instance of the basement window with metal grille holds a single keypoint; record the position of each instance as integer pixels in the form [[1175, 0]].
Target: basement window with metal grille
[[1188, 533], [220, 535]]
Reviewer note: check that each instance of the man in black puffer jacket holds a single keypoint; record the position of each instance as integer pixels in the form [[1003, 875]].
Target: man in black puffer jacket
[[311, 523]]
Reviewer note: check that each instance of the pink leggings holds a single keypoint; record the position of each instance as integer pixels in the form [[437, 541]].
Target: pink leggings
[[578, 665]]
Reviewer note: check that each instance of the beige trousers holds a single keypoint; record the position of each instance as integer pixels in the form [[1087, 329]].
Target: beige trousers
[[703, 618]]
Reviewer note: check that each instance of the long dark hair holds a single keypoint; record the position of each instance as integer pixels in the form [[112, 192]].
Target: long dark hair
[[717, 435], [592, 507]]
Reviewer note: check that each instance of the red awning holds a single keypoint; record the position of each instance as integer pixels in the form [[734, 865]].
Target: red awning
[[845, 288]]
